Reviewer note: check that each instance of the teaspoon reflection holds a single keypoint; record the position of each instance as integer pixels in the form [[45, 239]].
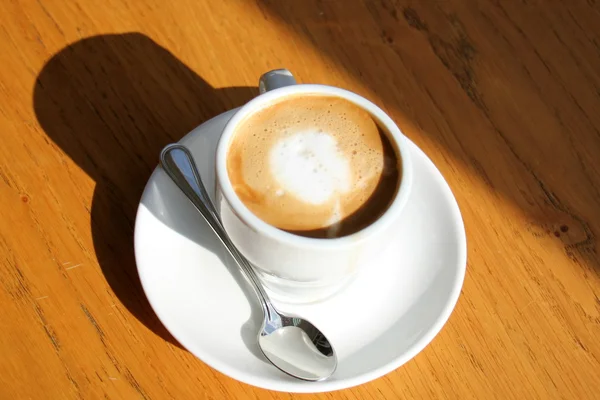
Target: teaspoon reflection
[[291, 343]]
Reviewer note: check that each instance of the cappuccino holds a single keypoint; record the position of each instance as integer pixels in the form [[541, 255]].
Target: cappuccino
[[314, 165]]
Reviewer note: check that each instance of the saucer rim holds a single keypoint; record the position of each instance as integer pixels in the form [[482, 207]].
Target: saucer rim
[[277, 384]]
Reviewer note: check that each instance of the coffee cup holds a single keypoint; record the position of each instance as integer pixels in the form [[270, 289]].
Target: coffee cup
[[303, 172]]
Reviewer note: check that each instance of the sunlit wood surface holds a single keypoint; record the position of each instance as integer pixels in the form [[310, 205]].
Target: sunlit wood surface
[[504, 96]]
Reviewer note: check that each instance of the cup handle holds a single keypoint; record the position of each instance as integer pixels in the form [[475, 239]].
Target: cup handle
[[275, 79]]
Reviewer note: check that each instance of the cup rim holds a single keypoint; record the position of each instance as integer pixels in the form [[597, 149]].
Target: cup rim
[[254, 222]]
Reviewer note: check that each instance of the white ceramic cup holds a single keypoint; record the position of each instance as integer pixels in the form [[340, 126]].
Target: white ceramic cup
[[294, 268]]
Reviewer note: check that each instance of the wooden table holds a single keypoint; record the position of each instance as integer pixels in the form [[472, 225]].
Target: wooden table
[[504, 96]]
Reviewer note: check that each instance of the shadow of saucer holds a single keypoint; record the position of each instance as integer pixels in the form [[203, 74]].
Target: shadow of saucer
[[111, 103]]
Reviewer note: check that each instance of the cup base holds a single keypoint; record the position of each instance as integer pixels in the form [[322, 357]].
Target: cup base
[[286, 291]]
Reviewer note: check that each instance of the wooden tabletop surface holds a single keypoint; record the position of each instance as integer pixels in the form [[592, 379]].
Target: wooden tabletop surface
[[503, 96]]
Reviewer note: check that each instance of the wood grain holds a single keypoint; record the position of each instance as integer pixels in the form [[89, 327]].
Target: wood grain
[[502, 95]]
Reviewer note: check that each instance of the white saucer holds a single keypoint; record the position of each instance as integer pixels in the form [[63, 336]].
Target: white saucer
[[385, 317]]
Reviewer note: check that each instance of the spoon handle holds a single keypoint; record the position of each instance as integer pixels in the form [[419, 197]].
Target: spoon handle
[[178, 163]]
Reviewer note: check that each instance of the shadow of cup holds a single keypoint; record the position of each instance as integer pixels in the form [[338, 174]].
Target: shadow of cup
[[111, 103]]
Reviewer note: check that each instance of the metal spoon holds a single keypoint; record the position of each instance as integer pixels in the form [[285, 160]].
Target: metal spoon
[[292, 344]]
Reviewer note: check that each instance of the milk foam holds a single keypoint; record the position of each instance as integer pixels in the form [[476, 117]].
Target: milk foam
[[310, 166]]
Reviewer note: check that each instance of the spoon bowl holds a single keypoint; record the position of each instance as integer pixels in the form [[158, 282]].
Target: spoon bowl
[[296, 347]]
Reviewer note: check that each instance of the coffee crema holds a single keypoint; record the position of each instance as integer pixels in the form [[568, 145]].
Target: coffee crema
[[313, 165]]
